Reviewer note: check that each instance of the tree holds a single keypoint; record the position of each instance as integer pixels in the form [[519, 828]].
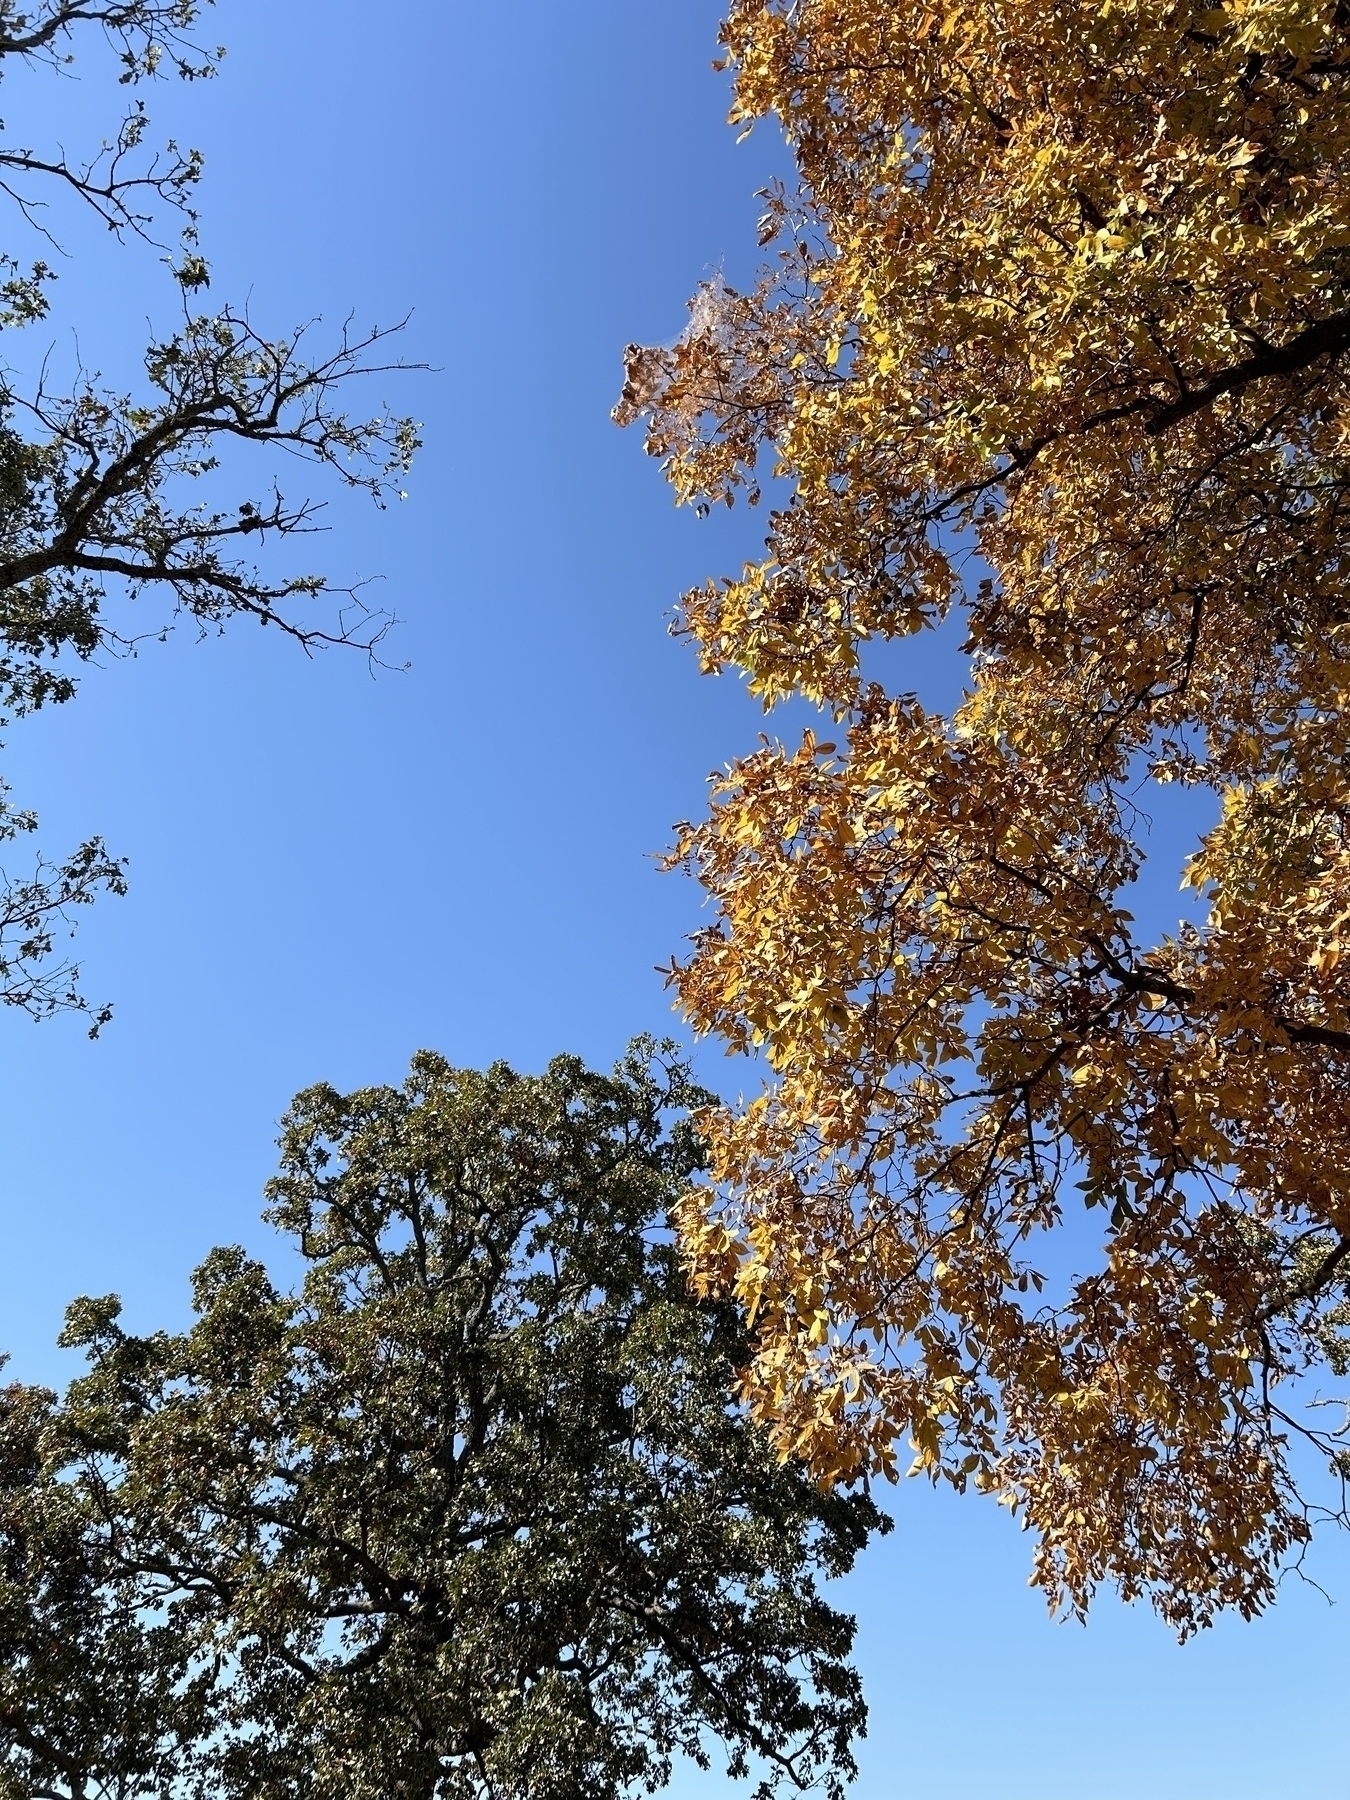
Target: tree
[[1053, 350], [97, 1692], [98, 511], [470, 1515]]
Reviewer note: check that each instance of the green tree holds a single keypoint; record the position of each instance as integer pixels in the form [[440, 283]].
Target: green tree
[[102, 511], [97, 1692], [471, 1515]]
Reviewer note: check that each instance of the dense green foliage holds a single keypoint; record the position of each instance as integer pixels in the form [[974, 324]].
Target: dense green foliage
[[469, 1515]]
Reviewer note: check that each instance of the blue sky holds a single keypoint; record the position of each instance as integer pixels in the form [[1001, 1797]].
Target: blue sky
[[330, 870]]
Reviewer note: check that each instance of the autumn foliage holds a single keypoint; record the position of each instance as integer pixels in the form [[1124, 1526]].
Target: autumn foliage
[[1053, 349]]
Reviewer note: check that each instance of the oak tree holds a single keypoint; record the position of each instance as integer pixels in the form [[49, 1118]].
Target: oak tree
[[1053, 351], [117, 512], [467, 1517]]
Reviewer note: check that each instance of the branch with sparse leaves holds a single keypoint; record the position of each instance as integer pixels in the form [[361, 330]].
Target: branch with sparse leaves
[[125, 189], [146, 34], [98, 494], [35, 910], [94, 500], [101, 495]]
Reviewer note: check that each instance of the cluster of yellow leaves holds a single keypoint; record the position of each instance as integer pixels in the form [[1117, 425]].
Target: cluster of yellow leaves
[[1058, 334]]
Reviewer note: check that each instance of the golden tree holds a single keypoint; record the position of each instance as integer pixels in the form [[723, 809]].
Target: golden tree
[[1054, 347]]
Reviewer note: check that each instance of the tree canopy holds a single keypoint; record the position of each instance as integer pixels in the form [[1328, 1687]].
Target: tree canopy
[[117, 513], [1053, 348], [468, 1517]]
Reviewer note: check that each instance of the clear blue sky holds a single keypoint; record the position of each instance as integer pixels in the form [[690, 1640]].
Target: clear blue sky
[[330, 871]]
